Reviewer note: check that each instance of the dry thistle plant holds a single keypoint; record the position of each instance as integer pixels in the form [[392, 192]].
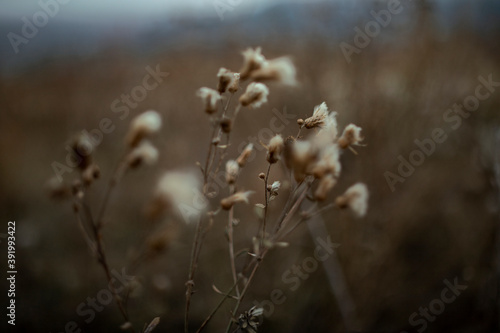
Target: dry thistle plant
[[311, 160]]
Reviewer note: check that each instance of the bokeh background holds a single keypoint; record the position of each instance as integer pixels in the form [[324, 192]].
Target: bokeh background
[[440, 224]]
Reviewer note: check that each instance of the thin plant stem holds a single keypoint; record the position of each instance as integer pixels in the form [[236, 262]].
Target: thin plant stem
[[210, 316], [266, 179], [192, 269], [231, 243]]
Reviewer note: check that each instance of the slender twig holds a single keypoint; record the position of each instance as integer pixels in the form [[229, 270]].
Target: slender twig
[[192, 269], [266, 179], [115, 179], [245, 288], [226, 296], [231, 242]]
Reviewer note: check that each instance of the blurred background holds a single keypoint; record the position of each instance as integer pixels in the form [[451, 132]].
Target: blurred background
[[66, 66]]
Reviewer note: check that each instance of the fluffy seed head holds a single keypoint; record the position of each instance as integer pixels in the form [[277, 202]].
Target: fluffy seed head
[[235, 83], [253, 60], [179, 192], [210, 97], [329, 131], [303, 157], [318, 117], [279, 69], [145, 153], [227, 81], [275, 148], [245, 155], [232, 170], [325, 185], [328, 162], [255, 95], [143, 125], [355, 198], [350, 136], [230, 201]]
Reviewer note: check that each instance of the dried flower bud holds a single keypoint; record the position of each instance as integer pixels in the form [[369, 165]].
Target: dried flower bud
[[274, 149], [235, 83], [300, 122], [82, 149], [253, 60], [226, 125], [225, 77], [245, 155], [255, 95], [318, 118], [210, 97], [90, 173], [145, 153], [325, 185], [249, 322], [142, 126], [232, 170], [262, 175], [350, 136], [355, 198], [230, 201]]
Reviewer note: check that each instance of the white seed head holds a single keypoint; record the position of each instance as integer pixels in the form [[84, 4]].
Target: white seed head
[[255, 95], [253, 60], [350, 136], [145, 153], [210, 97], [328, 162], [356, 198], [232, 170], [143, 125], [279, 69], [180, 192], [274, 149]]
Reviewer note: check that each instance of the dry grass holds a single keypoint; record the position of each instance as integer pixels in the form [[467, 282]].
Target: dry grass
[[439, 224]]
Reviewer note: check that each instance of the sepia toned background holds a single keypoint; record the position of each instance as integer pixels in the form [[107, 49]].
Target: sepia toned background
[[436, 225]]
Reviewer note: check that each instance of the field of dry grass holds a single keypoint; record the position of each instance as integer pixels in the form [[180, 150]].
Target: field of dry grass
[[438, 226]]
